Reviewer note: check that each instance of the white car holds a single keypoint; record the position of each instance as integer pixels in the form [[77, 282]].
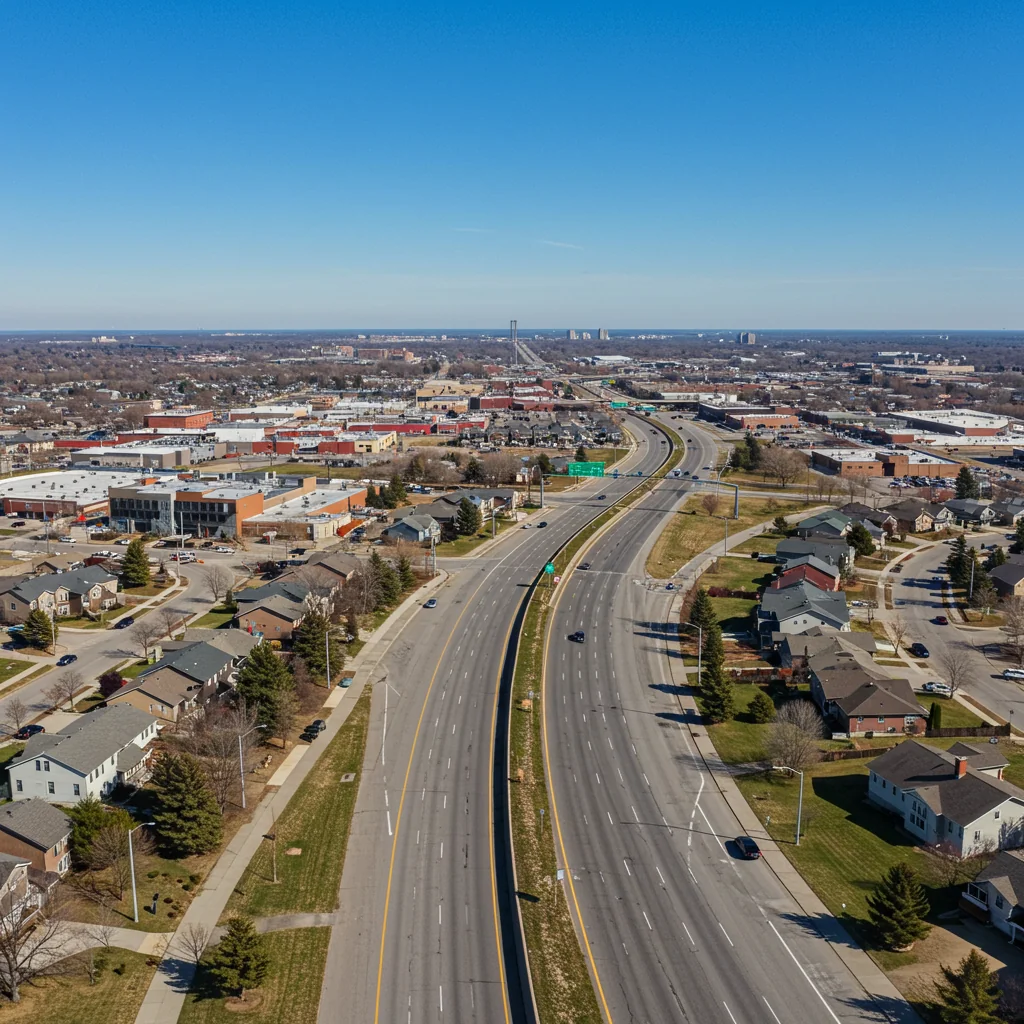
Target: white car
[[124, 542], [943, 688], [224, 550], [527, 526]]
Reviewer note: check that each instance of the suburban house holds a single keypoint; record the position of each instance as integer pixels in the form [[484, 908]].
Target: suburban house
[[830, 525], [796, 649], [414, 528], [967, 510], [834, 552], [38, 832], [996, 896], [16, 895], [61, 594], [274, 610], [858, 697], [337, 563], [956, 796], [915, 515], [1009, 511], [488, 499], [797, 608], [810, 568], [1008, 579], [88, 757], [443, 513], [182, 683], [861, 513], [58, 563]]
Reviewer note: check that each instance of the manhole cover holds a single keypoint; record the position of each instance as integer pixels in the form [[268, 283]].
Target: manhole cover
[[349, 777]]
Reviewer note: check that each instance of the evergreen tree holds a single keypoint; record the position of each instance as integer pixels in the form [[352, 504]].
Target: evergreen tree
[[995, 559], [396, 489], [983, 595], [956, 561], [135, 567], [371, 496], [716, 690], [581, 454], [39, 629], [702, 612], [262, 680], [188, 820], [967, 485], [88, 816], [969, 995], [240, 960], [544, 465], [753, 447], [405, 574], [310, 643], [860, 540], [781, 524], [385, 581], [385, 497], [762, 708], [474, 472], [1018, 541], [468, 520], [898, 907], [935, 716]]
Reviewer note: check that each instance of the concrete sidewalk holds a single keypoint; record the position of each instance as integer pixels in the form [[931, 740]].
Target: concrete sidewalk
[[169, 987]]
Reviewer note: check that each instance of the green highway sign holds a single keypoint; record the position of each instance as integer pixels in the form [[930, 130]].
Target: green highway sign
[[620, 405], [549, 568], [585, 469]]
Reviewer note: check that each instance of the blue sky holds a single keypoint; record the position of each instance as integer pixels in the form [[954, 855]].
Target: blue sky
[[178, 164]]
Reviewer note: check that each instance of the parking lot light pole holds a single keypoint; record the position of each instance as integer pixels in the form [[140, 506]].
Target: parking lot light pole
[[131, 866], [700, 644], [800, 804], [241, 761]]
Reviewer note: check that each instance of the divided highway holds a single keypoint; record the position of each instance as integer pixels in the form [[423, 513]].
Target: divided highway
[[422, 907], [679, 928]]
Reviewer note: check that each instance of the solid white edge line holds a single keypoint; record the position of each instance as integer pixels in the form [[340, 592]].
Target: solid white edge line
[[817, 991]]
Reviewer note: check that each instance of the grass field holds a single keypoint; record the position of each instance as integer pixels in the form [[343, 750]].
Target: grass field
[[734, 613], [739, 574], [216, 618], [70, 999], [11, 667], [691, 531], [765, 544], [467, 545], [317, 820], [290, 993]]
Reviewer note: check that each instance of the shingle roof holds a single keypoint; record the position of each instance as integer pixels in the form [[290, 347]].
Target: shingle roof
[[79, 582], [8, 864], [827, 550], [1007, 573], [235, 642], [291, 589], [200, 661], [804, 597], [1006, 873], [36, 821]]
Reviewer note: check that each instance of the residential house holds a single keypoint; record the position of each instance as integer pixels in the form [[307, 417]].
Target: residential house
[[235, 642], [971, 512], [1008, 579], [996, 896], [58, 563], [443, 513], [337, 563], [274, 610], [796, 649], [858, 697], [829, 525], [1009, 511], [834, 552], [956, 796], [415, 529], [810, 568], [798, 608], [88, 757], [915, 515], [859, 512], [61, 594], [16, 895], [37, 831]]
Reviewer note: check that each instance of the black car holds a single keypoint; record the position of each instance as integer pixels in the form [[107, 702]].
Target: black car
[[578, 637], [318, 726], [749, 850], [918, 650], [600, 497], [309, 735], [541, 525], [124, 623], [584, 565], [66, 659], [28, 731]]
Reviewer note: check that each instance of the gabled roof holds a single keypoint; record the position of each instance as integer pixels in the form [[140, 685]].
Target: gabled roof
[[37, 822], [1006, 874], [290, 589], [966, 507], [339, 562], [822, 639], [1009, 573], [805, 598], [828, 550], [831, 518], [81, 581], [200, 662], [235, 642], [815, 563], [422, 524], [8, 865]]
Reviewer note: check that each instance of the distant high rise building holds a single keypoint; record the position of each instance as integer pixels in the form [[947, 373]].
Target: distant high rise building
[[747, 338], [602, 334], [570, 335], [586, 335]]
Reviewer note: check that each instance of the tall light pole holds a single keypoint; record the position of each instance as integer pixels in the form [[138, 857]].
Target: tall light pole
[[241, 761], [700, 644], [131, 866], [800, 804]]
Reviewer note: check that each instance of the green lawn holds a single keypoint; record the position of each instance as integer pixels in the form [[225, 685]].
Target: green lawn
[[12, 666], [133, 670], [290, 993], [70, 999], [216, 618], [763, 544], [741, 740], [734, 613], [466, 545], [954, 714], [739, 574], [317, 821]]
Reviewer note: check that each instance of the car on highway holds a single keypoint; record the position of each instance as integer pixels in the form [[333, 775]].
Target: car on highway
[[66, 659], [578, 637], [28, 731], [940, 620], [541, 524], [584, 565], [918, 650], [600, 497], [749, 850], [124, 623], [223, 549], [432, 603], [936, 687]]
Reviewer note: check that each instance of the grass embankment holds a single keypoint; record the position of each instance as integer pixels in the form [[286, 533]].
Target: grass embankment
[[317, 821], [291, 991], [462, 546], [691, 530], [12, 666], [70, 999]]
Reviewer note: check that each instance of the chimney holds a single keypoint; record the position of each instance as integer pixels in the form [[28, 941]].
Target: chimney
[[961, 767]]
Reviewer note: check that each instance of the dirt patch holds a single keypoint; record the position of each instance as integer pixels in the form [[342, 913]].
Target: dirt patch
[[247, 1005]]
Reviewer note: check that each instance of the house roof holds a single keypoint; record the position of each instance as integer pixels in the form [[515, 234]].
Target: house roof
[[35, 821], [165, 685], [832, 551], [815, 563], [820, 639], [911, 508], [932, 773], [836, 520], [1006, 873], [81, 581], [421, 524], [200, 661], [290, 588], [84, 744], [966, 506], [280, 605], [339, 562], [235, 642], [1007, 573], [804, 597], [9, 864]]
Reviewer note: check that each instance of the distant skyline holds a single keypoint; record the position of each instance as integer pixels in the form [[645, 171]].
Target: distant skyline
[[241, 165]]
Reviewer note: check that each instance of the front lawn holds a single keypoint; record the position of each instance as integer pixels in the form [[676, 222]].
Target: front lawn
[[11, 667], [738, 574], [734, 613], [740, 740], [218, 617], [466, 545]]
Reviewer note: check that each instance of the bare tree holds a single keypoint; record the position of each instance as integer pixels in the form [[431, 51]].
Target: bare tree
[[1013, 627], [218, 580], [109, 852], [100, 937], [170, 620], [710, 502], [956, 667], [214, 739], [795, 734], [62, 691], [897, 629], [30, 953], [194, 940], [146, 633], [16, 714], [784, 464]]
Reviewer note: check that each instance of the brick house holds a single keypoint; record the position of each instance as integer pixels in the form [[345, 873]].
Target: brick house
[[37, 831]]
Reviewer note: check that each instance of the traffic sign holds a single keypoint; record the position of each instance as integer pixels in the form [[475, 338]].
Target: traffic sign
[[585, 469], [549, 568]]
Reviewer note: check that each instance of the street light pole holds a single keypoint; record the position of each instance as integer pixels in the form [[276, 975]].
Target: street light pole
[[800, 803], [241, 761], [131, 866]]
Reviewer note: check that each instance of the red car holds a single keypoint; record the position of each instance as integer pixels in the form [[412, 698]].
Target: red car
[[941, 620]]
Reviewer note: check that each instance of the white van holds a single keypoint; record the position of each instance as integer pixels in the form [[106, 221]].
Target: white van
[[1013, 673]]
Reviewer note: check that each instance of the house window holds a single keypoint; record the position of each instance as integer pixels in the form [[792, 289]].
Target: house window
[[20, 788], [881, 720], [999, 902], [77, 789], [977, 836], [46, 766], [49, 787], [949, 826], [996, 815], [39, 766]]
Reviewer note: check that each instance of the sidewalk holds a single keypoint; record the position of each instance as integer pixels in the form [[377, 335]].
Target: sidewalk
[[170, 984]]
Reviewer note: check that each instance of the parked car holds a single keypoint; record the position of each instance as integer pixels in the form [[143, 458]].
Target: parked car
[[749, 849], [66, 539], [935, 687], [17, 523], [223, 549], [918, 650], [527, 526], [1013, 673], [124, 623], [432, 603], [896, 568], [66, 659], [28, 731], [578, 637], [124, 542]]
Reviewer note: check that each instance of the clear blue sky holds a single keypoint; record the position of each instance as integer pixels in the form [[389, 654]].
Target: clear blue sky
[[169, 163]]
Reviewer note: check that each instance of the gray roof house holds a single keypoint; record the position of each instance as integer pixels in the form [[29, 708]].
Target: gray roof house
[[956, 797], [799, 607], [795, 649], [967, 510], [1008, 579], [829, 524], [414, 528], [1008, 511], [996, 896], [38, 831], [832, 551]]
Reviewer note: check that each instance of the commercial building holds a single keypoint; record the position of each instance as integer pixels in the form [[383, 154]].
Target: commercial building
[[148, 455], [71, 493], [748, 417], [878, 462], [957, 421], [180, 419], [747, 338], [316, 515]]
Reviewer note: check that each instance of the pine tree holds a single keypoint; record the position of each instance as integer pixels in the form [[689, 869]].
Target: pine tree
[[240, 960], [468, 520], [405, 574], [860, 540], [397, 489], [753, 451], [261, 681], [969, 995], [39, 630], [188, 820], [897, 908], [135, 567], [935, 716], [762, 708], [956, 561], [310, 643], [967, 485], [474, 472], [716, 690], [371, 496], [702, 612], [581, 454], [995, 559], [88, 816], [781, 524], [1018, 541]]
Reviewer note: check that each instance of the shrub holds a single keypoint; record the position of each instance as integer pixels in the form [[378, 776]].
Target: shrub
[[195, 879], [152, 874]]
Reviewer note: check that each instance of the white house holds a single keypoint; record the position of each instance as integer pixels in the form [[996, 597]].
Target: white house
[[956, 797], [996, 896], [88, 757]]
